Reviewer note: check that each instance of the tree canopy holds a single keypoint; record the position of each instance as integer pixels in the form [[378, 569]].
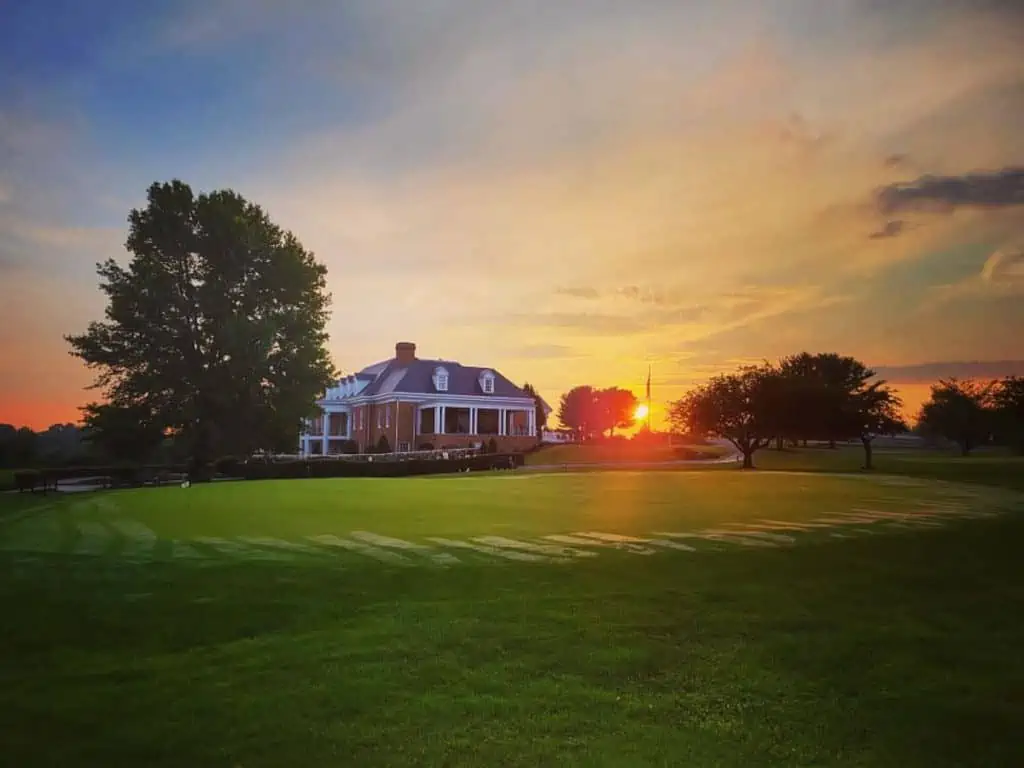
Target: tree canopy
[[958, 411], [588, 411], [1008, 403], [215, 329], [739, 407], [542, 416]]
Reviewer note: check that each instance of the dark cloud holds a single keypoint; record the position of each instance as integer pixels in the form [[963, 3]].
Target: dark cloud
[[928, 372], [895, 159], [996, 189], [890, 229]]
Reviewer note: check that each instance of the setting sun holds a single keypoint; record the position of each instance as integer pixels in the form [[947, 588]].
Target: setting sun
[[641, 412]]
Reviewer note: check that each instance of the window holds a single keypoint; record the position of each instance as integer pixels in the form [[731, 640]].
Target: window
[[440, 379], [403, 447], [487, 382]]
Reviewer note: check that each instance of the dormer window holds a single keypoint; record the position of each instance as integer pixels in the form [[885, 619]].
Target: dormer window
[[487, 382], [440, 379]]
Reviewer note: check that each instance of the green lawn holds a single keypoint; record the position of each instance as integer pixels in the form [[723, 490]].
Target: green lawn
[[215, 626], [596, 453]]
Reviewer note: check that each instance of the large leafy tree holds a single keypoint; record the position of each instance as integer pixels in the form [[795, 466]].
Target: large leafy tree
[[872, 411], [123, 432], [820, 389], [958, 411], [739, 407], [215, 329], [576, 410], [614, 408], [1008, 406], [542, 414]]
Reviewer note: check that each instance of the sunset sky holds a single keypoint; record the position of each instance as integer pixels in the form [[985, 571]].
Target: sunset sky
[[567, 191]]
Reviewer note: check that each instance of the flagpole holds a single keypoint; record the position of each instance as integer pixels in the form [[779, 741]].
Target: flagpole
[[648, 397]]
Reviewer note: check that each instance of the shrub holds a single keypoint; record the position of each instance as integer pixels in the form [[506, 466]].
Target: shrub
[[383, 446], [426, 446], [492, 446]]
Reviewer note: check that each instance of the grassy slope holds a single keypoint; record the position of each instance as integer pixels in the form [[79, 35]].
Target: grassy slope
[[900, 649], [612, 452]]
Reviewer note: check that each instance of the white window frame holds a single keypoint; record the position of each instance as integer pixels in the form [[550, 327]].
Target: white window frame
[[403, 447], [440, 379], [487, 384]]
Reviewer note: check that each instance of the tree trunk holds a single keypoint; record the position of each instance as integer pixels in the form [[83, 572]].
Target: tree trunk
[[832, 444], [805, 443], [748, 459], [965, 447], [867, 454], [778, 443]]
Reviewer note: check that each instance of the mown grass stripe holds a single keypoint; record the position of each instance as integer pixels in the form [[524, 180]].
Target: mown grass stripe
[[441, 558], [361, 548], [507, 554]]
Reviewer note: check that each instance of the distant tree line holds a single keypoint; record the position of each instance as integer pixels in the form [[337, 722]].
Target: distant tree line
[[803, 397], [64, 445], [973, 413], [589, 412], [830, 397]]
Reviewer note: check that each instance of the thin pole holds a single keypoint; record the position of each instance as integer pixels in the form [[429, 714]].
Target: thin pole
[[648, 397]]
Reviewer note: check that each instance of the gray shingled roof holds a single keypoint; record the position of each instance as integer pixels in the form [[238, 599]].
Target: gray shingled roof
[[417, 378]]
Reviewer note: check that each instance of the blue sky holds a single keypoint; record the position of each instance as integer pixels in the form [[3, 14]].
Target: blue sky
[[566, 191]]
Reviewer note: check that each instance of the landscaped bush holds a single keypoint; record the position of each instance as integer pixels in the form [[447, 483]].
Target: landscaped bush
[[383, 446], [379, 467]]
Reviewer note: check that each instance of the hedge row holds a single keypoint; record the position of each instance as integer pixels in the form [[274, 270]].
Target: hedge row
[[127, 476], [258, 470]]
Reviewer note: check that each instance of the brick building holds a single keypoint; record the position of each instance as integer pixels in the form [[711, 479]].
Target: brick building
[[419, 403]]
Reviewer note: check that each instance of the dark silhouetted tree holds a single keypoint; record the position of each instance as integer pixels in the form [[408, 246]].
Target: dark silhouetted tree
[[128, 433], [576, 411], [737, 407], [1008, 411], [542, 415], [614, 408], [958, 411], [216, 326], [874, 411]]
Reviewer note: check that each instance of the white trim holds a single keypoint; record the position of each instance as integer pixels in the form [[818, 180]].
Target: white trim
[[428, 398]]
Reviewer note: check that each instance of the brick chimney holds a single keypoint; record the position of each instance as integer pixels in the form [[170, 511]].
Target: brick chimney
[[405, 352]]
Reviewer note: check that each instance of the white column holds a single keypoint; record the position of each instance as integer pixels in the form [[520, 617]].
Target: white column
[[327, 421], [417, 423], [531, 420], [502, 426], [440, 425], [348, 425], [472, 420]]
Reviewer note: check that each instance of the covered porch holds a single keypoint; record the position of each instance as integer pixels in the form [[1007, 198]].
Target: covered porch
[[472, 420], [327, 433]]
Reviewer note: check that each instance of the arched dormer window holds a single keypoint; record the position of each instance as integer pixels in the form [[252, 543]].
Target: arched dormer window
[[487, 382], [440, 379]]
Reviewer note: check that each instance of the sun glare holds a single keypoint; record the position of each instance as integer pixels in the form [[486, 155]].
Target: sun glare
[[641, 412]]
